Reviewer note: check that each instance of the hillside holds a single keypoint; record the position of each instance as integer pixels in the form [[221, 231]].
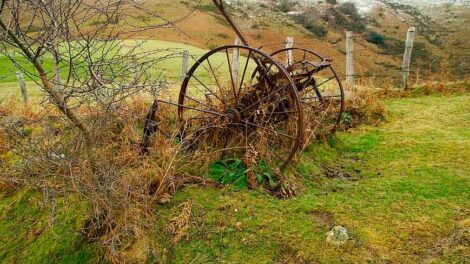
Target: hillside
[[380, 30], [379, 25]]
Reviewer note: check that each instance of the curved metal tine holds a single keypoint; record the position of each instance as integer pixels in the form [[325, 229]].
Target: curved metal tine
[[273, 151], [323, 97], [266, 97], [275, 106], [198, 134], [266, 71], [233, 140], [270, 129], [315, 88], [265, 143], [272, 112], [260, 64]]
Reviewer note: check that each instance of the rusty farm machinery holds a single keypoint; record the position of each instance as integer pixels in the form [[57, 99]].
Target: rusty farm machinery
[[237, 99]]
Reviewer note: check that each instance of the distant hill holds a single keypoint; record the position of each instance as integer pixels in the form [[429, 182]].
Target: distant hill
[[380, 29]]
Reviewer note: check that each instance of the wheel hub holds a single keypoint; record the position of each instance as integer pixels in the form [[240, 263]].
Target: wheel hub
[[234, 115]]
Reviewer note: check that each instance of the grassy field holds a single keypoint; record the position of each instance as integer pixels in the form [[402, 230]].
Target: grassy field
[[401, 189], [170, 66]]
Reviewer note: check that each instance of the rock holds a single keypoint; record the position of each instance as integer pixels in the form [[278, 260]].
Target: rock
[[164, 198], [238, 226], [337, 236]]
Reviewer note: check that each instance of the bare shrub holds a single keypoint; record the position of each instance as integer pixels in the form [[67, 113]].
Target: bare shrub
[[364, 103], [82, 140]]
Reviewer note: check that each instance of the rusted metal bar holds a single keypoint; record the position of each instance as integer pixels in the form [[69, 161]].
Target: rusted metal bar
[[150, 127], [220, 5]]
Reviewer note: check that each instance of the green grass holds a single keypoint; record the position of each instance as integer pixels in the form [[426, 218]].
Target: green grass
[[170, 66], [12, 90], [407, 192], [28, 234], [411, 190]]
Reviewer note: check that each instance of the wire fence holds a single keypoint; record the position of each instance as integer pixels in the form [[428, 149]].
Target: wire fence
[[172, 68]]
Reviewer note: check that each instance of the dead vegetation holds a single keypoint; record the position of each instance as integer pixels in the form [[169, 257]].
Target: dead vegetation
[[86, 142], [43, 152]]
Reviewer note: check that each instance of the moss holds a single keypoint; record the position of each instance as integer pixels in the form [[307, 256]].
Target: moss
[[28, 237]]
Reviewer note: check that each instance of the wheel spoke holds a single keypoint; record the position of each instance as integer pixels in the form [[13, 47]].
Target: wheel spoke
[[207, 88], [317, 86], [216, 81], [199, 102], [192, 108], [244, 73], [231, 75], [271, 90]]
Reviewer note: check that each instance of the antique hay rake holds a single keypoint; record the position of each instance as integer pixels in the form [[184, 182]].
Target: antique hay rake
[[237, 99]]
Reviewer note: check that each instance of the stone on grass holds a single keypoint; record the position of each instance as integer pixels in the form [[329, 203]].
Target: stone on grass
[[337, 236]]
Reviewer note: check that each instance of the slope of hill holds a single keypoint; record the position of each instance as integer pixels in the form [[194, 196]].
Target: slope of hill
[[318, 26]]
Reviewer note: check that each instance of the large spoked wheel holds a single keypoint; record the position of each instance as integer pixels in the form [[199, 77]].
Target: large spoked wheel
[[225, 113], [319, 88]]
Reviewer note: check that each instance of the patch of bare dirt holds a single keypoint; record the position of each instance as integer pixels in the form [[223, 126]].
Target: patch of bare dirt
[[322, 218]]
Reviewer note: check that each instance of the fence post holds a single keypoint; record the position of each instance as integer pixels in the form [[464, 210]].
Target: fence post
[[349, 58], [134, 71], [19, 75], [236, 60], [289, 44], [184, 69], [407, 56]]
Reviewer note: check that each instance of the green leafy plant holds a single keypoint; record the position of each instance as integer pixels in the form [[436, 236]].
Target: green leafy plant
[[347, 118], [265, 175], [234, 172], [375, 38], [229, 172]]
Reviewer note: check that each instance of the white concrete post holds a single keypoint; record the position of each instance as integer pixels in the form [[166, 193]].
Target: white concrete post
[[185, 63], [236, 61], [349, 58], [22, 83], [407, 56], [289, 44]]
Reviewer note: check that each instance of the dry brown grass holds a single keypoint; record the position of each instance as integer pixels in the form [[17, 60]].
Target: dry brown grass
[[42, 152], [118, 195]]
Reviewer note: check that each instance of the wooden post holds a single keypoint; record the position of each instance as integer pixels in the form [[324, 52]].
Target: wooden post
[[19, 75], [289, 44], [184, 69], [407, 56], [150, 127], [57, 78], [134, 71], [236, 60], [349, 58]]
